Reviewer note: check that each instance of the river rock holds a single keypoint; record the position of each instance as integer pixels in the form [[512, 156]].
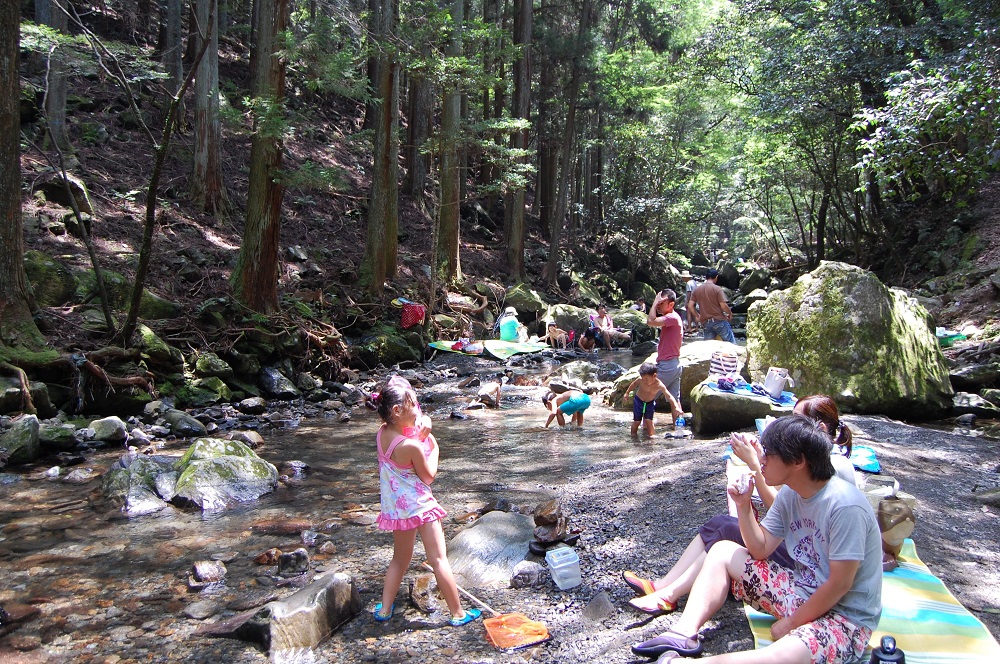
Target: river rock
[[487, 551], [11, 399], [423, 593], [729, 277], [156, 351], [754, 279], [303, 620], [209, 364], [20, 442], [973, 404], [109, 429], [974, 377], [252, 406], [527, 574], [524, 299], [840, 331], [81, 475], [991, 395], [251, 439], [742, 303], [184, 425], [713, 411], [276, 385], [57, 436], [131, 482], [215, 473]]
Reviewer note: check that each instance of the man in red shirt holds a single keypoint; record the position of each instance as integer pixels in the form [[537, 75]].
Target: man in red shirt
[[712, 310], [668, 350]]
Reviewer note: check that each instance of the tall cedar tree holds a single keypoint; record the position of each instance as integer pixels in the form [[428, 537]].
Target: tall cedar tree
[[16, 325], [255, 277], [382, 246]]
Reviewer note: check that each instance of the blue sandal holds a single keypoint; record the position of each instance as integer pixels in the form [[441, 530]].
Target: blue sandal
[[470, 615], [379, 616]]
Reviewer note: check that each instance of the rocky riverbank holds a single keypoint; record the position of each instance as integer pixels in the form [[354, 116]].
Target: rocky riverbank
[[637, 513]]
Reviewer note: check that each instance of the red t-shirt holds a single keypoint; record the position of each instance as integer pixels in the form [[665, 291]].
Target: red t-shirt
[[671, 336]]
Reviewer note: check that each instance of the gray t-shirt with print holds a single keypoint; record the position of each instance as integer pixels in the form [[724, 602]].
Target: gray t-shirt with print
[[837, 523]]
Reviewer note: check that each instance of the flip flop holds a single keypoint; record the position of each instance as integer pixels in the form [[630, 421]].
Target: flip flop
[[668, 641], [640, 585], [379, 616], [663, 607]]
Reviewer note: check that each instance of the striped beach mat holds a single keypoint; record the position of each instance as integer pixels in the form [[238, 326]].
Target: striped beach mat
[[928, 623]]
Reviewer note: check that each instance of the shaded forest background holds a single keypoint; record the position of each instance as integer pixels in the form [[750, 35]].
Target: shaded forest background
[[312, 159]]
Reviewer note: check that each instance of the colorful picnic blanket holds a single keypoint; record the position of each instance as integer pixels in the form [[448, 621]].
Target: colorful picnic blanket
[[862, 456], [787, 398], [928, 623], [498, 348]]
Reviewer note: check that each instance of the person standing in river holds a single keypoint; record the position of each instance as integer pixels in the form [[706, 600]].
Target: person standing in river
[[668, 350], [709, 307], [408, 464]]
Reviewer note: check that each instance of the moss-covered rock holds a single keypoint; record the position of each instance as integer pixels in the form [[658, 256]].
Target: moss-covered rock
[[208, 363], [119, 289], [524, 299], [52, 282], [388, 346], [586, 292], [695, 360], [842, 332], [20, 442], [156, 351], [214, 473]]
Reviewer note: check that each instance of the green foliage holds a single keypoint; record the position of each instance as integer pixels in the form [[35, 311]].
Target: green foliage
[[937, 134], [310, 176], [80, 59], [324, 56]]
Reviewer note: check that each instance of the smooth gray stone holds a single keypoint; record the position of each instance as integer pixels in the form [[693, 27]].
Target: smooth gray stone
[[488, 551]]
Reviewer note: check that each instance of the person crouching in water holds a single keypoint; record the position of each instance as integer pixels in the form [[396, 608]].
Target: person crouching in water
[[570, 402], [645, 389], [408, 463]]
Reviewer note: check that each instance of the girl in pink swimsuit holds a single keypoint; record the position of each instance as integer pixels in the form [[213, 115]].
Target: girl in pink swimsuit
[[408, 463]]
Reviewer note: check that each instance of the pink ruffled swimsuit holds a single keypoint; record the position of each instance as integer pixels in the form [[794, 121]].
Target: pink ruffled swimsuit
[[406, 501]]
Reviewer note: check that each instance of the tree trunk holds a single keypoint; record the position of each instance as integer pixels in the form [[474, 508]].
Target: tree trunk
[[451, 168], [16, 325], [173, 49], [551, 270], [419, 114], [382, 244], [255, 277], [371, 106], [207, 188], [514, 205], [55, 85]]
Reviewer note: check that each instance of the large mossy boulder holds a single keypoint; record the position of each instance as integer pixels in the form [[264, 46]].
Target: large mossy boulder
[[524, 299], [840, 331], [214, 473], [52, 282], [388, 346]]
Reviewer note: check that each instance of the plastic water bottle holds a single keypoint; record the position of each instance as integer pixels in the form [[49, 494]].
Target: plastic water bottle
[[887, 652], [680, 422]]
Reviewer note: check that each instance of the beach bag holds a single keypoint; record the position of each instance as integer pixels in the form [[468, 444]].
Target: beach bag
[[724, 364], [413, 314], [775, 381]]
